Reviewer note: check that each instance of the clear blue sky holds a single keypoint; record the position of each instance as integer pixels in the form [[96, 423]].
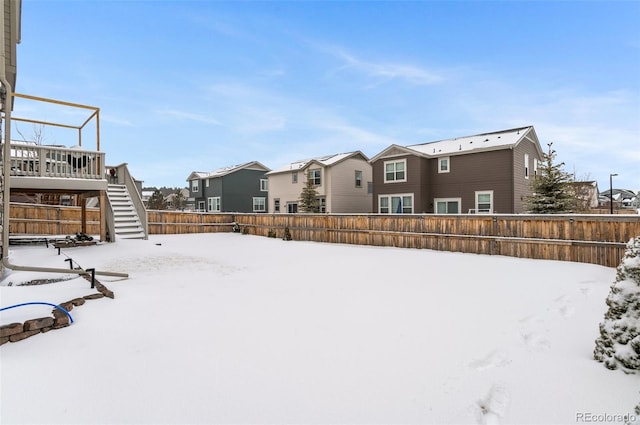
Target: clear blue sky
[[188, 86]]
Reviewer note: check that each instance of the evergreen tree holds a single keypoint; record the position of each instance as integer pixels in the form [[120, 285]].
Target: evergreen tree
[[308, 201], [157, 201], [552, 189], [619, 343], [179, 200]]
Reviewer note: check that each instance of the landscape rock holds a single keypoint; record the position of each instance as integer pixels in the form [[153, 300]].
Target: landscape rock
[[61, 322], [23, 335], [18, 331], [77, 301], [58, 313], [67, 306], [12, 329], [37, 324]]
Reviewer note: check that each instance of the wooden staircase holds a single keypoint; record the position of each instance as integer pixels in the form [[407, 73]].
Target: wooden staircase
[[127, 223]]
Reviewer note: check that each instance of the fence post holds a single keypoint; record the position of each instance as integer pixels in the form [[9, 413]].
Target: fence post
[[93, 277], [495, 246], [573, 250], [59, 221]]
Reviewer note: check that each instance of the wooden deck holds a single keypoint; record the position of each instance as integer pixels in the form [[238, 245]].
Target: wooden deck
[[39, 168]]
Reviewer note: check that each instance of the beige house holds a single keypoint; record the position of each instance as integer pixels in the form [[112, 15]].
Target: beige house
[[586, 194], [343, 183]]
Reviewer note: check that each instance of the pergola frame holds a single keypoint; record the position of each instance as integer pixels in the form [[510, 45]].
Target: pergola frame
[[95, 113]]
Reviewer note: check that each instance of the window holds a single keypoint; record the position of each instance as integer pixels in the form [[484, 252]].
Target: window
[[447, 206], [276, 205], [358, 178], [394, 171], [206, 182], [201, 206], [383, 205], [369, 188], [294, 177], [395, 204], [526, 166], [443, 165], [214, 204], [264, 185], [403, 204], [259, 204], [314, 176], [322, 204], [535, 167], [484, 201], [292, 208], [194, 185]]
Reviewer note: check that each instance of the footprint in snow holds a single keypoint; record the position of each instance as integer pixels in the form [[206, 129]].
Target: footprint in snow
[[493, 407], [494, 359], [586, 290], [534, 341], [564, 306], [566, 311], [530, 319]]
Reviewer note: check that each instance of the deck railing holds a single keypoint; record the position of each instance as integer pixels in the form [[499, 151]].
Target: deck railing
[[32, 160]]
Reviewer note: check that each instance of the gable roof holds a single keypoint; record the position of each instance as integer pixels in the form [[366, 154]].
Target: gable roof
[[220, 172], [503, 139], [323, 161], [619, 193], [591, 183]]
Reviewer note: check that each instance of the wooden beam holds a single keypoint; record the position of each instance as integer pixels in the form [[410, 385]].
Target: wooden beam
[[83, 213]]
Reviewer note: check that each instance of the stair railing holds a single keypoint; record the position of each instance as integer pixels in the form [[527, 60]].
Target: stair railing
[[111, 223]]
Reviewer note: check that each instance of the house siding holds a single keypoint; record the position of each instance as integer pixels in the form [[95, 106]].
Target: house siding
[[522, 186], [236, 190], [482, 171], [337, 185], [416, 175], [281, 187], [197, 196], [12, 33], [500, 170], [342, 195]]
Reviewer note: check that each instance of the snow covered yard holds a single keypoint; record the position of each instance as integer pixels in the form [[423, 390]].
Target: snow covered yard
[[228, 328]]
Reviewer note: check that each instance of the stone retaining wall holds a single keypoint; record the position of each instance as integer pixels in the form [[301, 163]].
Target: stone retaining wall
[[15, 332]]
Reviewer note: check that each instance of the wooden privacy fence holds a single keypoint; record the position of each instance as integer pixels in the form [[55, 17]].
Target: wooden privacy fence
[[36, 219], [597, 239], [177, 222]]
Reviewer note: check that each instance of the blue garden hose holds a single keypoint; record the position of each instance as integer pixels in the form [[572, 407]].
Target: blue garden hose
[[36, 302]]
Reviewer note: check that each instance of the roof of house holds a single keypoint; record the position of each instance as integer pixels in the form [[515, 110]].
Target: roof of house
[[253, 165], [468, 144], [584, 183], [324, 161], [619, 193]]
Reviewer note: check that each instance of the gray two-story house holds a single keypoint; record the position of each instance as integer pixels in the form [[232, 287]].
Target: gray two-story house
[[238, 188], [484, 173]]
